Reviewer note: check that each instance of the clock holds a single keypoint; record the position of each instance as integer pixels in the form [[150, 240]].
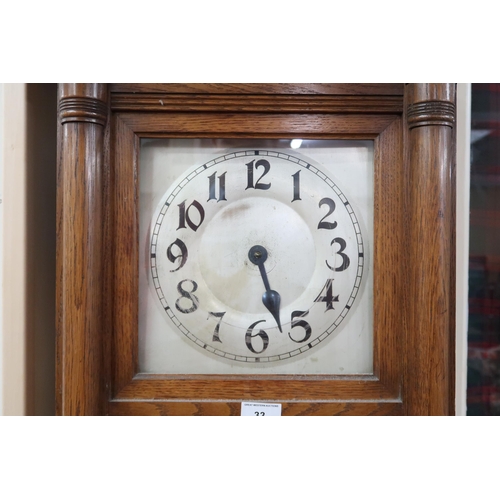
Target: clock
[[257, 257], [320, 277]]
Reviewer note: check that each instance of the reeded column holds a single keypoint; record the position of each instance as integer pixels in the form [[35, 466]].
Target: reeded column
[[430, 111], [83, 113]]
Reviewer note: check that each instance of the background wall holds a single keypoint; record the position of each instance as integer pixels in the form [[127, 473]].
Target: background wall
[[14, 317], [28, 247], [1, 245], [41, 241]]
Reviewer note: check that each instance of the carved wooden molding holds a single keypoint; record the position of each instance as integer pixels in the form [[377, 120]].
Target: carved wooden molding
[[83, 109], [431, 113], [163, 102], [240, 89]]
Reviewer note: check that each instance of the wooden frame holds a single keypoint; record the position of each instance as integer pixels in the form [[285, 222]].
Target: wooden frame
[[100, 130]]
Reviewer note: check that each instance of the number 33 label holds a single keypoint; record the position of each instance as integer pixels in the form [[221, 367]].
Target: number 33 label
[[260, 409]]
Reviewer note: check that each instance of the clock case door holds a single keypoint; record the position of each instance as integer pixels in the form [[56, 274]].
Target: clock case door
[[99, 132]]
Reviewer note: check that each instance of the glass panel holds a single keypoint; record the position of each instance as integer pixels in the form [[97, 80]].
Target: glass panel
[[256, 256], [483, 379]]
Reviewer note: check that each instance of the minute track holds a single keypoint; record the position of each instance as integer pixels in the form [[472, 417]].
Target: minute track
[[171, 203]]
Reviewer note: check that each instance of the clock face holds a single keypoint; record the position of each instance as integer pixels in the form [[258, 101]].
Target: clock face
[[240, 235], [256, 256]]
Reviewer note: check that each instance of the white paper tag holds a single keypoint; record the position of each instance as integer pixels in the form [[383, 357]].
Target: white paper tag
[[249, 409]]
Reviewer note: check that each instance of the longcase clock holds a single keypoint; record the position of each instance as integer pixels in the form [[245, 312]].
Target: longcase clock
[[229, 243]]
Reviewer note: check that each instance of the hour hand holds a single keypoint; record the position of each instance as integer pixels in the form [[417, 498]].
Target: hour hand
[[270, 298]]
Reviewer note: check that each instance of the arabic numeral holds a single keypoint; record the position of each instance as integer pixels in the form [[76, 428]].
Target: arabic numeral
[[184, 216], [219, 315], [328, 298], [187, 295], [250, 168], [296, 186], [212, 187], [300, 323], [261, 333], [182, 256], [331, 208], [345, 258]]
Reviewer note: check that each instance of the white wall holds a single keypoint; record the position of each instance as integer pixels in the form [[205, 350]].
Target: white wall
[[462, 280], [1, 246], [14, 317]]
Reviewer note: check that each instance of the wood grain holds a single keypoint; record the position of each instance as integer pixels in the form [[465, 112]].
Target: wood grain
[[390, 243], [249, 387], [79, 260], [256, 125], [295, 89], [125, 260], [233, 408], [429, 359], [251, 103]]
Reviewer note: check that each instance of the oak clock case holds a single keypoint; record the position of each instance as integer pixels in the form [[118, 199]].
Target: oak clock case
[[117, 348], [255, 257]]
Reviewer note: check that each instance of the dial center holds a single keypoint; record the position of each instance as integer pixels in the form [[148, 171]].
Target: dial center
[[249, 232], [257, 254]]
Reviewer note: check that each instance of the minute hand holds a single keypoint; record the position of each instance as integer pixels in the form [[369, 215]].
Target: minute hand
[[270, 298]]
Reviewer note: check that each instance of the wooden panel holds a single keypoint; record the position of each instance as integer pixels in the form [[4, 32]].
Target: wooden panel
[[264, 88], [232, 409]]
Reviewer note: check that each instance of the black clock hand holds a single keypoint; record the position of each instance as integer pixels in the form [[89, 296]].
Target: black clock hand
[[271, 298]]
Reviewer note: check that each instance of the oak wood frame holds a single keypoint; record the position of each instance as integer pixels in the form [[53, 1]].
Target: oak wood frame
[[100, 130]]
